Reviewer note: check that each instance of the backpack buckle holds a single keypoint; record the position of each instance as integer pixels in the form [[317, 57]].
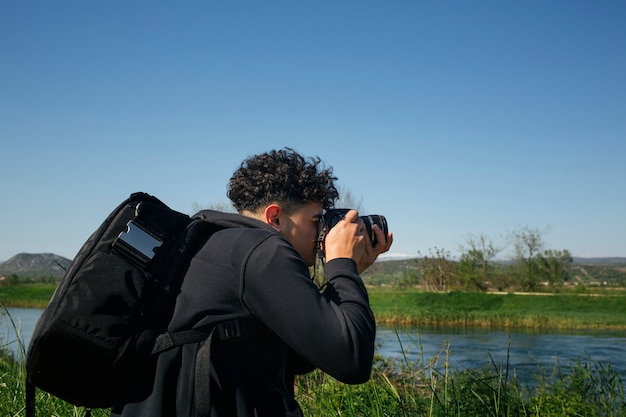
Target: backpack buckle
[[137, 244]]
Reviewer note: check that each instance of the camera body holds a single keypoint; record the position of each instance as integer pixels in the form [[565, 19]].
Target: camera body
[[333, 216]]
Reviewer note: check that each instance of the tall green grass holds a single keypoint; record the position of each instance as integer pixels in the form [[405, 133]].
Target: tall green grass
[[431, 388], [32, 295]]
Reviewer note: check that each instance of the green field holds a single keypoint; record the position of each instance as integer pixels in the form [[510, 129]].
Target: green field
[[534, 311], [35, 295], [461, 309]]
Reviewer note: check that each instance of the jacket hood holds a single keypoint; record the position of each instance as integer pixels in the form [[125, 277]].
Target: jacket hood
[[232, 220]]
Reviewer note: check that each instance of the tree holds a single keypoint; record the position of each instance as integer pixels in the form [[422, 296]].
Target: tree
[[438, 272], [554, 265], [476, 264], [528, 243]]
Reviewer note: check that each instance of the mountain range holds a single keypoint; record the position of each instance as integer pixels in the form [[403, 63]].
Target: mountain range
[[28, 265], [35, 265]]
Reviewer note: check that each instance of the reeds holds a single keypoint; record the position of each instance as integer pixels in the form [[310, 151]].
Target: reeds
[[431, 388]]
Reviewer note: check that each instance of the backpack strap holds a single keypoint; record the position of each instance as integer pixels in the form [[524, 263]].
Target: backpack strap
[[204, 371], [236, 330], [169, 340], [30, 399], [204, 375]]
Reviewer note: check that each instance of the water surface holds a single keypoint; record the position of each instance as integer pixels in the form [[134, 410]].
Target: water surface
[[524, 352]]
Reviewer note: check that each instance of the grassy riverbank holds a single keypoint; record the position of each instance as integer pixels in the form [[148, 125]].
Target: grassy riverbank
[[538, 311], [503, 311], [423, 388], [32, 295], [426, 387], [585, 388]]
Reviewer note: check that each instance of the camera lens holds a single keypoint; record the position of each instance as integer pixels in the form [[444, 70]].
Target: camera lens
[[333, 216], [370, 221]]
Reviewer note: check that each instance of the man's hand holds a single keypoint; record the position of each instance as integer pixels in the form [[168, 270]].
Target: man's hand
[[383, 243], [348, 239]]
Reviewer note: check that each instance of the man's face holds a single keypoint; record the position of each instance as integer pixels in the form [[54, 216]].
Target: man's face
[[301, 229]]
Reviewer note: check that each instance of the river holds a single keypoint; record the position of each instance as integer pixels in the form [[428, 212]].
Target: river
[[524, 352]]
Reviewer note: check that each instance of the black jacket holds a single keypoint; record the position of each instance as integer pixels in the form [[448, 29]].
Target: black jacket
[[250, 271]]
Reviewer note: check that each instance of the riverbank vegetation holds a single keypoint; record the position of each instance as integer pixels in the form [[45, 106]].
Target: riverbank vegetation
[[426, 387], [417, 389], [499, 310], [484, 265], [464, 293], [415, 307], [27, 295], [438, 272], [423, 387]]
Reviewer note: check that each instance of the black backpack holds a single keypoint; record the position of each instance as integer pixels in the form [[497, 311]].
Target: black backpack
[[107, 320]]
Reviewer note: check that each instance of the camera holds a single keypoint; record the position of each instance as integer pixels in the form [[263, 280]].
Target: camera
[[333, 216]]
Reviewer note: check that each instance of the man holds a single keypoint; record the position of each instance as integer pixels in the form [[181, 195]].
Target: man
[[256, 274]]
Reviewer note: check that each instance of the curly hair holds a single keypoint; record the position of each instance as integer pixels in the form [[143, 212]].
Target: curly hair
[[281, 176]]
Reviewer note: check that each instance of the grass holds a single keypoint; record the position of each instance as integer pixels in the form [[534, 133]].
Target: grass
[[457, 309], [30, 295], [430, 388], [424, 387], [502, 311], [12, 394]]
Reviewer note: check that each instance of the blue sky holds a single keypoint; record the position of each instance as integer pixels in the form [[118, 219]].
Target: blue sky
[[452, 118]]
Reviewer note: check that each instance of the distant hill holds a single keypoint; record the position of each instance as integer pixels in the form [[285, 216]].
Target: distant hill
[[397, 271], [616, 260], [30, 265], [392, 271]]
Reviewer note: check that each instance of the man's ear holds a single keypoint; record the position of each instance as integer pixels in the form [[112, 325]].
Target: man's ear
[[272, 213]]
